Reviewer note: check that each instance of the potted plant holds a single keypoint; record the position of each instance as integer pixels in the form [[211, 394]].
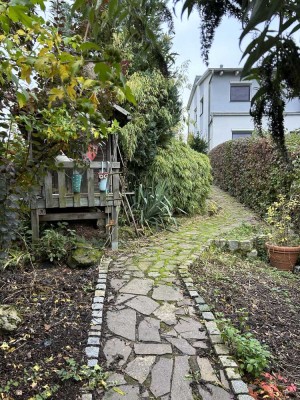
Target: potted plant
[[283, 245]]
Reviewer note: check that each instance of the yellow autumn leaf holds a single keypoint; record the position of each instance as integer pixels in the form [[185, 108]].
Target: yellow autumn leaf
[[119, 391], [56, 93], [87, 83], [64, 72], [21, 32], [26, 73], [71, 91], [4, 346], [36, 368], [43, 52], [94, 99]]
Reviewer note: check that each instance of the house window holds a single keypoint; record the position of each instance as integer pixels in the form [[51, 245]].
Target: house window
[[239, 92], [201, 106], [241, 134]]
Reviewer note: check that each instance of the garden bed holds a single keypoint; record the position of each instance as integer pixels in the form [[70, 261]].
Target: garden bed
[[55, 304], [263, 297]]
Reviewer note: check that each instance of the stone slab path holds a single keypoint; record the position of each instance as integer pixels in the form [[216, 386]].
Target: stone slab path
[[153, 340]]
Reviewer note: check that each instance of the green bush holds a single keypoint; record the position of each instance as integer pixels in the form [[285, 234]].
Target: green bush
[[252, 356], [54, 244], [187, 175], [253, 171]]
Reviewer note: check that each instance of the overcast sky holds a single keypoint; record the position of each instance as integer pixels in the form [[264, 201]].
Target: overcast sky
[[186, 43]]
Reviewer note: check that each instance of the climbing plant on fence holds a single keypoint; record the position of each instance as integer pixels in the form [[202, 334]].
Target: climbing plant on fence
[[253, 170], [187, 174]]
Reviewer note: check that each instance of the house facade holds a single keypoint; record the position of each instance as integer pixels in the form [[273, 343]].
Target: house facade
[[219, 106]]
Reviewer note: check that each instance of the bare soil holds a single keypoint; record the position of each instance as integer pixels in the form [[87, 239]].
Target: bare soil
[[55, 305], [267, 297]]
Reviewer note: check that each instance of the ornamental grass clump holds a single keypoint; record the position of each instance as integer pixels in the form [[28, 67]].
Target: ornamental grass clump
[[187, 174]]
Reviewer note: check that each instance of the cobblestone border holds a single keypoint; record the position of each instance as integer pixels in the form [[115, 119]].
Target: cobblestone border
[[94, 336], [238, 386]]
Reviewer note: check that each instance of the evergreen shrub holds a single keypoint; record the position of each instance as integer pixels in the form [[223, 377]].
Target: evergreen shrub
[[253, 171], [187, 174]]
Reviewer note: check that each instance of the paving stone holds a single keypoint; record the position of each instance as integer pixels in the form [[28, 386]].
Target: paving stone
[[99, 293], [116, 379], [245, 397], [166, 293], [161, 377], [214, 393], [181, 389], [201, 344], [148, 330], [221, 349], [116, 349], [212, 328], [166, 313], [97, 306], [138, 286], [138, 274], [94, 340], [101, 286], [87, 396], [203, 307], [154, 274], [224, 380], [139, 368], [143, 304], [91, 362], [182, 345], [98, 299], [193, 293], [122, 323], [97, 313], [232, 373], [239, 387], [188, 328], [199, 300], [208, 316], [170, 333], [150, 348], [216, 339], [116, 284], [92, 351], [130, 393], [123, 297], [206, 370], [227, 361]]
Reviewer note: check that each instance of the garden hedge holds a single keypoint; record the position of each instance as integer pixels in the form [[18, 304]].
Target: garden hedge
[[253, 171], [187, 174]]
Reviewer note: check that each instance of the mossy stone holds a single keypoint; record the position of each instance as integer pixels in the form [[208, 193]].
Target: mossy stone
[[84, 256], [10, 318]]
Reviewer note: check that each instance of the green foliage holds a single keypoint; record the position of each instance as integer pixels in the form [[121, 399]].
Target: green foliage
[[92, 378], [197, 143], [254, 171], [151, 206], [280, 217], [153, 119], [55, 245], [187, 175], [253, 357]]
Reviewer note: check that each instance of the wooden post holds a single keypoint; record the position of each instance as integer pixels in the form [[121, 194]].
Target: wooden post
[[115, 229], [62, 188], [35, 225]]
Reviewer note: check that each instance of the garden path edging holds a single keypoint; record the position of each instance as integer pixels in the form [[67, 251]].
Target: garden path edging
[[94, 336], [238, 386]]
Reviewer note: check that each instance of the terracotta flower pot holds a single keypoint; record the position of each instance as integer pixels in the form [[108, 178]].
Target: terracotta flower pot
[[283, 257]]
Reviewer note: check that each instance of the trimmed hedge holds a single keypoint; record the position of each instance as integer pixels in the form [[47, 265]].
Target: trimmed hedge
[[252, 170], [187, 174]]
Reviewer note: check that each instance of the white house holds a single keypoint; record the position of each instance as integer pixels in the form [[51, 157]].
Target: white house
[[219, 106]]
